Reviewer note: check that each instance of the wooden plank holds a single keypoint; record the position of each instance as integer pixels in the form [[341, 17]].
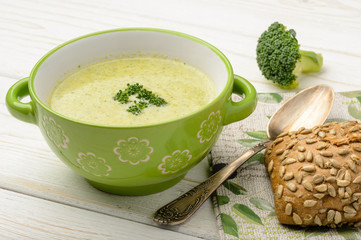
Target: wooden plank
[[25, 217]]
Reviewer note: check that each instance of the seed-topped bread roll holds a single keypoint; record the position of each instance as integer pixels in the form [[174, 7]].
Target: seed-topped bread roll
[[316, 175]]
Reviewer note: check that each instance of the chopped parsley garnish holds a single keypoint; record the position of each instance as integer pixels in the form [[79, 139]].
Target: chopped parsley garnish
[[146, 98], [122, 97]]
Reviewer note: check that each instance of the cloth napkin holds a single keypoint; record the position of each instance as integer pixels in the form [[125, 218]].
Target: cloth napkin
[[244, 204]]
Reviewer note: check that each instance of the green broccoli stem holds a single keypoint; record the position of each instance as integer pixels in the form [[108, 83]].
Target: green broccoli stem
[[309, 62], [293, 85]]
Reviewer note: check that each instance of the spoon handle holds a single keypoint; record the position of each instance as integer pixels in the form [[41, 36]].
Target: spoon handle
[[182, 208]]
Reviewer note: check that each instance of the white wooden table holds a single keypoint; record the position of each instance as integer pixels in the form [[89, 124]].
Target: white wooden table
[[40, 198]]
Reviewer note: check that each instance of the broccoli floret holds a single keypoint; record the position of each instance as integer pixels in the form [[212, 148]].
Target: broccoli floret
[[279, 56]]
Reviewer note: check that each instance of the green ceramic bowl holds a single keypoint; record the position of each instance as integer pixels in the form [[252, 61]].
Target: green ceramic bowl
[[141, 159]]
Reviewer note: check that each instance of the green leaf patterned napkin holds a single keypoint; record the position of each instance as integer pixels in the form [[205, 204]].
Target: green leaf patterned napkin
[[244, 204]]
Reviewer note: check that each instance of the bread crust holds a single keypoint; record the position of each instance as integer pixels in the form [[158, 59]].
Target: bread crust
[[316, 175]]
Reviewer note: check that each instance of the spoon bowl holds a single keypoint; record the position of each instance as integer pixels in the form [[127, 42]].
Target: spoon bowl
[[307, 108]]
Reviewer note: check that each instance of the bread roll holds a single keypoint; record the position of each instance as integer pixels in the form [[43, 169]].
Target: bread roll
[[316, 175]]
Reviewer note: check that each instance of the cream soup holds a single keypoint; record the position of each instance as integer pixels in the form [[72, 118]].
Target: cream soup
[[88, 93]]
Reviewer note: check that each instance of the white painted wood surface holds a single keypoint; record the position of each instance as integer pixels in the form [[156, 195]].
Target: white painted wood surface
[[23, 216], [40, 198]]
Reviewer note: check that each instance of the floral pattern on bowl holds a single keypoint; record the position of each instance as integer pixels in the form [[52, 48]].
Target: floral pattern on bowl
[[173, 163], [92, 164], [55, 132], [133, 150], [209, 127]]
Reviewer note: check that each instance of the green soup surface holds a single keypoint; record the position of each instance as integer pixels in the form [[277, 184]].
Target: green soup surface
[[88, 93]]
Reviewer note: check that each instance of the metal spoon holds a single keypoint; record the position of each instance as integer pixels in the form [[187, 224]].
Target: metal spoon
[[308, 108]]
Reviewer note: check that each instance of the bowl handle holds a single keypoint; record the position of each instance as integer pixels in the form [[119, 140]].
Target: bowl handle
[[20, 110], [236, 111]]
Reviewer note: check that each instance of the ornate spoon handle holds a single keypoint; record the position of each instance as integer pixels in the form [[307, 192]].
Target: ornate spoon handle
[[182, 208]]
